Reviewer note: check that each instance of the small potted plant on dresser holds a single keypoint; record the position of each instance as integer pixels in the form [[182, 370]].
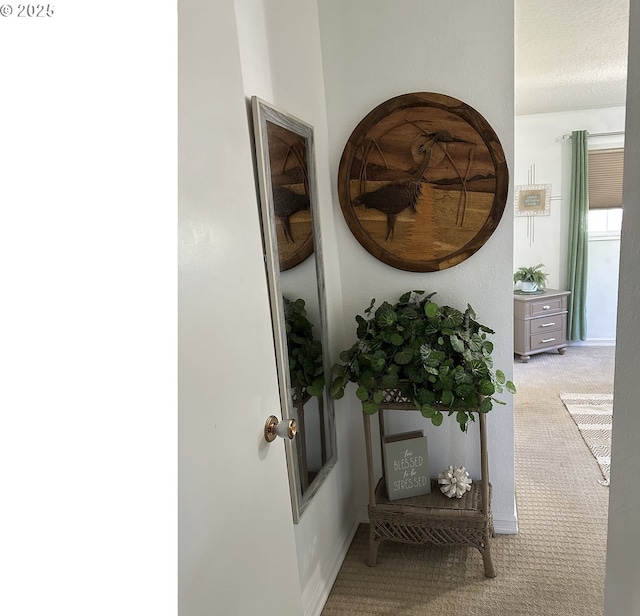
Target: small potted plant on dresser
[[531, 278]]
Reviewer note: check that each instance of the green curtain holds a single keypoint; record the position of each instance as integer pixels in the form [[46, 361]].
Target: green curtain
[[578, 238]]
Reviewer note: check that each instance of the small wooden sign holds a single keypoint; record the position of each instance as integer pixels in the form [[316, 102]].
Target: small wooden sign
[[406, 465], [533, 200]]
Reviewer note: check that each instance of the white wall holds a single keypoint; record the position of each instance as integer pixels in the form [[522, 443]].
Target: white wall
[[622, 588], [539, 146], [373, 50], [281, 63]]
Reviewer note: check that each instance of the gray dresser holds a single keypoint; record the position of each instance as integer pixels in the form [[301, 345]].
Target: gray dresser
[[539, 322]]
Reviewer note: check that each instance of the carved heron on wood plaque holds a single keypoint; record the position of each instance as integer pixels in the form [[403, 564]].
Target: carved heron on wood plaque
[[396, 197]]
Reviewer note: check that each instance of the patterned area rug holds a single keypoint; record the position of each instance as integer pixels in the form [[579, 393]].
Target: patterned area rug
[[593, 415]]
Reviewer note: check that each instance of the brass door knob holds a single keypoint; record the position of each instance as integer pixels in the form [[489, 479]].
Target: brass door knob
[[286, 428]]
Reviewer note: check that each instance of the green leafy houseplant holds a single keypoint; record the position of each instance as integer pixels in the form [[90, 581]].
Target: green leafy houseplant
[[439, 358], [531, 274], [306, 368]]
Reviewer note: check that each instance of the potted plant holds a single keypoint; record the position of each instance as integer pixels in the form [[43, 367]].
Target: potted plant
[[437, 356], [532, 278]]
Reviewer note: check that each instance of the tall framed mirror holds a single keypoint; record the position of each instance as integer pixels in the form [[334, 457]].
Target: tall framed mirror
[[293, 257]]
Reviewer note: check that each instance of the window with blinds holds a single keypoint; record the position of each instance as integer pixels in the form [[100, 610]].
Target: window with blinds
[[605, 178]]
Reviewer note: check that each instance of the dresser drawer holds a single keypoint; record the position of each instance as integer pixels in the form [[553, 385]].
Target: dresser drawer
[[546, 305], [547, 324], [547, 339]]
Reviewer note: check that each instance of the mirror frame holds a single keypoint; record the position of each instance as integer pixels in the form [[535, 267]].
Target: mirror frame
[[264, 112]]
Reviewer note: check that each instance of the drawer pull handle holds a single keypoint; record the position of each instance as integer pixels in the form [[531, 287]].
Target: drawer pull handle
[[545, 340], [546, 324], [547, 307]]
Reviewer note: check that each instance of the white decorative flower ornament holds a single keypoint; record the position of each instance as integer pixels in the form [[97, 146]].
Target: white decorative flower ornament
[[454, 481]]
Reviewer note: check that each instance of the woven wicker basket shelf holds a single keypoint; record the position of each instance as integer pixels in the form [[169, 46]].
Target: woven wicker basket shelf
[[431, 518]]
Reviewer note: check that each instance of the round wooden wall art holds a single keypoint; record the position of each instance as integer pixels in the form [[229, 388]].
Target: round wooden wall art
[[423, 182]]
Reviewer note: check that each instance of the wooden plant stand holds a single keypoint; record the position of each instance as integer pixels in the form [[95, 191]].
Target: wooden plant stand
[[431, 518]]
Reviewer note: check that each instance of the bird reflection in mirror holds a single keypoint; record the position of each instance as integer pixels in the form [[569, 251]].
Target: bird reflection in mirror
[[285, 204]]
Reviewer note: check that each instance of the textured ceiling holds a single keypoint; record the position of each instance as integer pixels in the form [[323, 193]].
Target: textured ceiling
[[570, 54]]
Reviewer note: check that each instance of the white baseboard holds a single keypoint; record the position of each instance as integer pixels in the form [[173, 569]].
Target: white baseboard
[[505, 526], [594, 342], [363, 515], [316, 604]]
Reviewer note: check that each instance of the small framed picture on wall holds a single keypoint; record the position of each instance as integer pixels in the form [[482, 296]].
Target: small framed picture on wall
[[533, 200]]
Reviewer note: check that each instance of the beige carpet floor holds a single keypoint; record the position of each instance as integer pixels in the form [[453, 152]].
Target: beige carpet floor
[[555, 565]]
